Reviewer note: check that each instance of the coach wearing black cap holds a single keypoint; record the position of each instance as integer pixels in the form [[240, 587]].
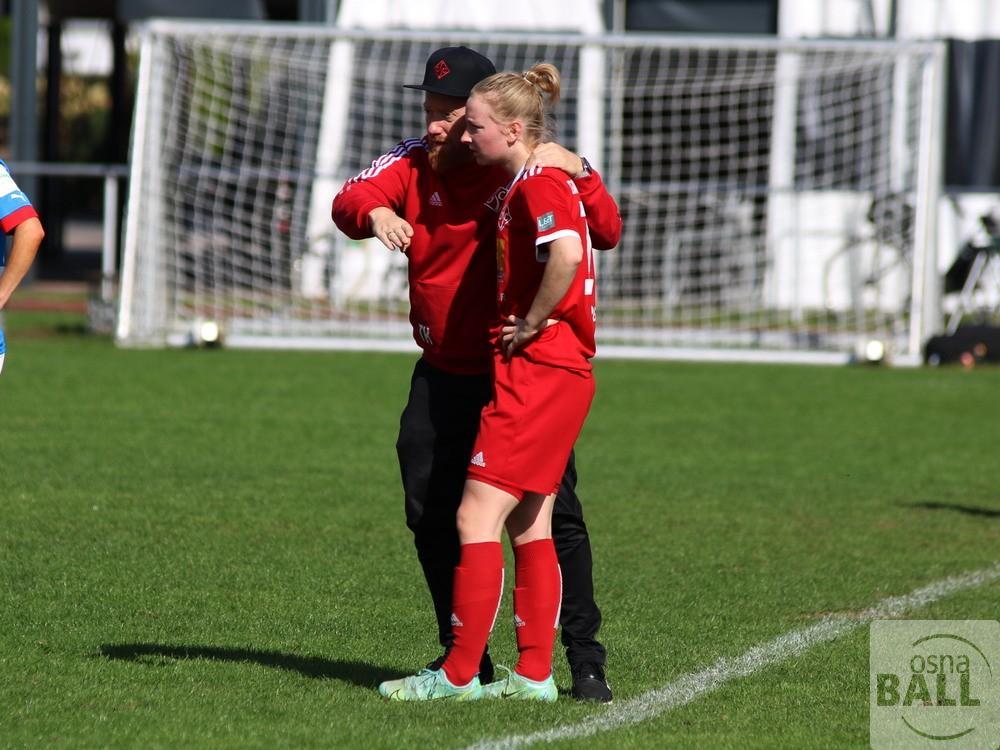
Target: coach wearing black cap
[[428, 198], [453, 71]]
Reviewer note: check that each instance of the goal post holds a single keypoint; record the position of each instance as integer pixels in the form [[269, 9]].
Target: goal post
[[779, 197]]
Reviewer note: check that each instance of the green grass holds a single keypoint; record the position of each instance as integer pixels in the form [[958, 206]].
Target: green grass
[[206, 548]]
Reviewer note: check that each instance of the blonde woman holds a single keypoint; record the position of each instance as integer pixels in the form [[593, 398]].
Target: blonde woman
[[543, 340], [428, 197]]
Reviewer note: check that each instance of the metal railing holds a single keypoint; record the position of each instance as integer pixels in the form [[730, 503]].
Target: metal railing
[[111, 174]]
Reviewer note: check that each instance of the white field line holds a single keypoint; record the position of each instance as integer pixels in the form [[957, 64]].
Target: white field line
[[687, 688]]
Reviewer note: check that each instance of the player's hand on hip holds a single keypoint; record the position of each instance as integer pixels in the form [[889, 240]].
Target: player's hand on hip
[[518, 333], [390, 229]]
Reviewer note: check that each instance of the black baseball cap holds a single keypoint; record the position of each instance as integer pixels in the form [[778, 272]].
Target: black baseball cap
[[453, 71]]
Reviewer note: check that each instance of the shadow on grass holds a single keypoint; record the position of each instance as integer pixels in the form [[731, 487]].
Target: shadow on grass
[[970, 510], [358, 673]]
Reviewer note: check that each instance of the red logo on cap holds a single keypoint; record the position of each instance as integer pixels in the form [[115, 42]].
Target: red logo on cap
[[441, 69]]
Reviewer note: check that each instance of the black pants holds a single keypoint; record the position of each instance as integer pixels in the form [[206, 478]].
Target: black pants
[[436, 434]]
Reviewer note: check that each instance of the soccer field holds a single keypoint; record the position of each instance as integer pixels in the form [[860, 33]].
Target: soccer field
[[207, 549]]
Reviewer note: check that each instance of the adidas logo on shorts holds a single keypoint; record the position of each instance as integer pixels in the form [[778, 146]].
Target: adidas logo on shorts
[[478, 460], [455, 622], [435, 199], [518, 622]]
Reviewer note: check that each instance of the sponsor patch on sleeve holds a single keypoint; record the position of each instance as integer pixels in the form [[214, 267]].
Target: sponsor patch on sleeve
[[546, 221]]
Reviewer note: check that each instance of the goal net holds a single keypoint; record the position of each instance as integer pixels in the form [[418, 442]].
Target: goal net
[[778, 197]]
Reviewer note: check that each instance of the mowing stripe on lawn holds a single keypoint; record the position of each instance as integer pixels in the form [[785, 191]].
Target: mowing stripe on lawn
[[687, 688]]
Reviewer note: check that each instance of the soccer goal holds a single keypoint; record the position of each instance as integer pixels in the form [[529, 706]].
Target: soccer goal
[[779, 197]]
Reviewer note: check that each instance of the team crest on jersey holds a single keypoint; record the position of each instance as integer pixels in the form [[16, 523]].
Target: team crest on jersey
[[496, 200], [546, 221], [504, 219]]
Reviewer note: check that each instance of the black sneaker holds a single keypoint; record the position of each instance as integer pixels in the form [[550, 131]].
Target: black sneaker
[[486, 672], [590, 684]]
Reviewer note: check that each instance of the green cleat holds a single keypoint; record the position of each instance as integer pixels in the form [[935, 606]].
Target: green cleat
[[516, 687], [429, 685]]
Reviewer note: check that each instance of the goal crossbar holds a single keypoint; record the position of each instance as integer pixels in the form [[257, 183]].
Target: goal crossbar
[[778, 195]]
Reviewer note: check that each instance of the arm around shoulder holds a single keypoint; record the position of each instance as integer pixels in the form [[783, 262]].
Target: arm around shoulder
[[551, 154], [603, 217]]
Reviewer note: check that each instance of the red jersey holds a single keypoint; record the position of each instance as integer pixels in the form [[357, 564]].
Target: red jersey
[[452, 267], [544, 205]]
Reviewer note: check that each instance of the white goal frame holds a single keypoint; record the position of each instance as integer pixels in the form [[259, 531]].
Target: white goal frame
[[778, 319]]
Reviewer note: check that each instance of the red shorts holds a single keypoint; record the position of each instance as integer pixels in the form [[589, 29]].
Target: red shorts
[[527, 431]]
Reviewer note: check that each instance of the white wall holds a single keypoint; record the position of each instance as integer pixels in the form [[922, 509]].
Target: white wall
[[815, 18], [958, 19], [562, 15], [915, 19]]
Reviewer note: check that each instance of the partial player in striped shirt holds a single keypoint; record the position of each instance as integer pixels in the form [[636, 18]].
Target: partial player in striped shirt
[[17, 217]]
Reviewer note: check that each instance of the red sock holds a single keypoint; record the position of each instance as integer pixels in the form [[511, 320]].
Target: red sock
[[537, 597], [475, 601]]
